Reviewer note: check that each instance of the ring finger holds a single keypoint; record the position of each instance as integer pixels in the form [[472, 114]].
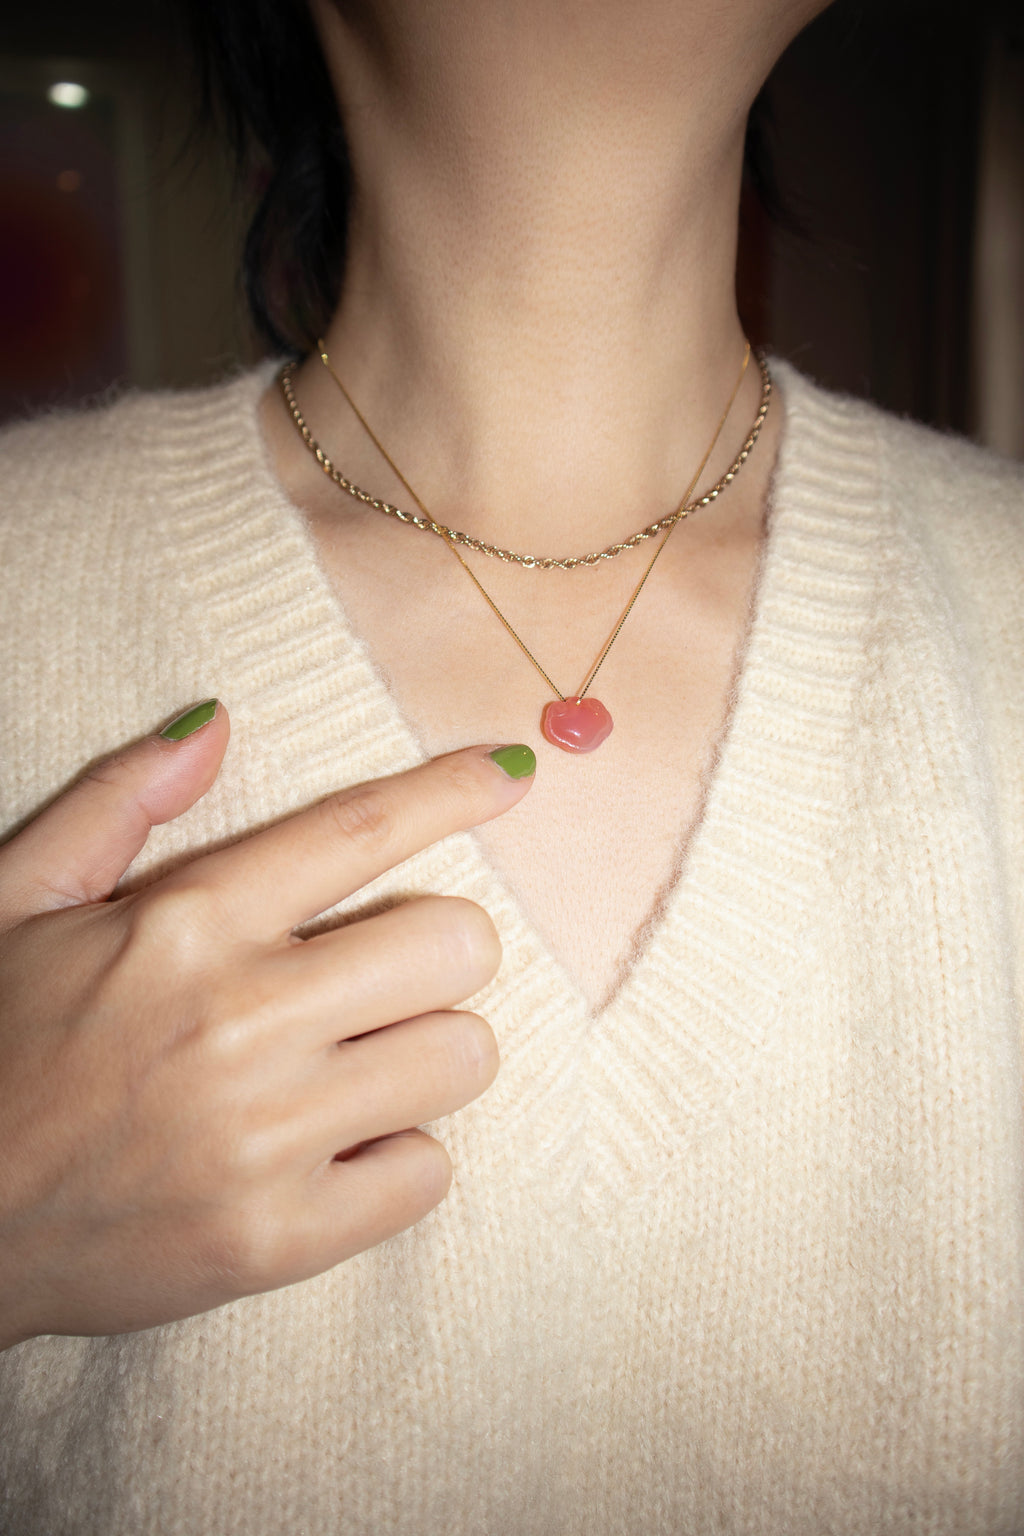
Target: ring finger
[[393, 1079]]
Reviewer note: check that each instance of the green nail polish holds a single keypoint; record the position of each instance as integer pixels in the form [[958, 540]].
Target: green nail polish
[[518, 762], [191, 720]]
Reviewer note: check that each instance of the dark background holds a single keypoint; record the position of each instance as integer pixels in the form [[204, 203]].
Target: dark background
[[897, 137]]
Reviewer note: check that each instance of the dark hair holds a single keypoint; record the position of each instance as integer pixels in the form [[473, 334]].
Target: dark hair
[[262, 80]]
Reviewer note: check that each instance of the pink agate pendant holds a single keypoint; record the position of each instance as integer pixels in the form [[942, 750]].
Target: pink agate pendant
[[576, 725]]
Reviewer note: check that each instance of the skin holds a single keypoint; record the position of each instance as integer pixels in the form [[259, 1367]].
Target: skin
[[539, 322], [161, 1158], [538, 309]]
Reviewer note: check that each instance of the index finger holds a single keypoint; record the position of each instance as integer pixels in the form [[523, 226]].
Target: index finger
[[281, 877]]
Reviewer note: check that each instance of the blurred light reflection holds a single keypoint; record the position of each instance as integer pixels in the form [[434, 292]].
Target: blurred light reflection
[[67, 93]]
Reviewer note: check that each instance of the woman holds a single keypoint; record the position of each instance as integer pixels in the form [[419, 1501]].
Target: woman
[[732, 1241]]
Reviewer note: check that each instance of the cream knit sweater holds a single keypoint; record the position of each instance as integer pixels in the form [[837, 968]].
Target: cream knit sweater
[[744, 1253]]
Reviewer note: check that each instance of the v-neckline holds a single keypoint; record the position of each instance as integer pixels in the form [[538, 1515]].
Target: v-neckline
[[727, 938]]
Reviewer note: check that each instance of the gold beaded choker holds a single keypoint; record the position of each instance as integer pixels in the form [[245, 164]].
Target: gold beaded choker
[[577, 723], [479, 547]]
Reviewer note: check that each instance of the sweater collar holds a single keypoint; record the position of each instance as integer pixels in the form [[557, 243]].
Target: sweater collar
[[731, 934]]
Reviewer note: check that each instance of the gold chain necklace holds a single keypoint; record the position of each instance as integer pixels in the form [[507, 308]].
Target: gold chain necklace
[[576, 723], [479, 546]]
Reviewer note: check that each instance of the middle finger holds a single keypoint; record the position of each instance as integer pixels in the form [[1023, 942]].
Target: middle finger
[[425, 956]]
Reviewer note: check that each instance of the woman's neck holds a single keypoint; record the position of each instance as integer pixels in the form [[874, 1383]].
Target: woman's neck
[[538, 315]]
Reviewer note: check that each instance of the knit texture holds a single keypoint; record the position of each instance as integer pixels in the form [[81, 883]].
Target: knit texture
[[740, 1255]]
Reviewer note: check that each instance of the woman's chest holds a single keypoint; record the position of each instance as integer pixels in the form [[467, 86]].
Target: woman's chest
[[599, 841]]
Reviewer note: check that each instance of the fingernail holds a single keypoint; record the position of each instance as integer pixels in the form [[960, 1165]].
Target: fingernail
[[184, 725], [517, 762]]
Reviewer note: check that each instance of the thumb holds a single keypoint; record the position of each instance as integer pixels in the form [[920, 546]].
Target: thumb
[[79, 847]]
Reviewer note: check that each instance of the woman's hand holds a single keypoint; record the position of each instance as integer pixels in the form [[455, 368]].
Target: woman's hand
[[194, 1104]]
